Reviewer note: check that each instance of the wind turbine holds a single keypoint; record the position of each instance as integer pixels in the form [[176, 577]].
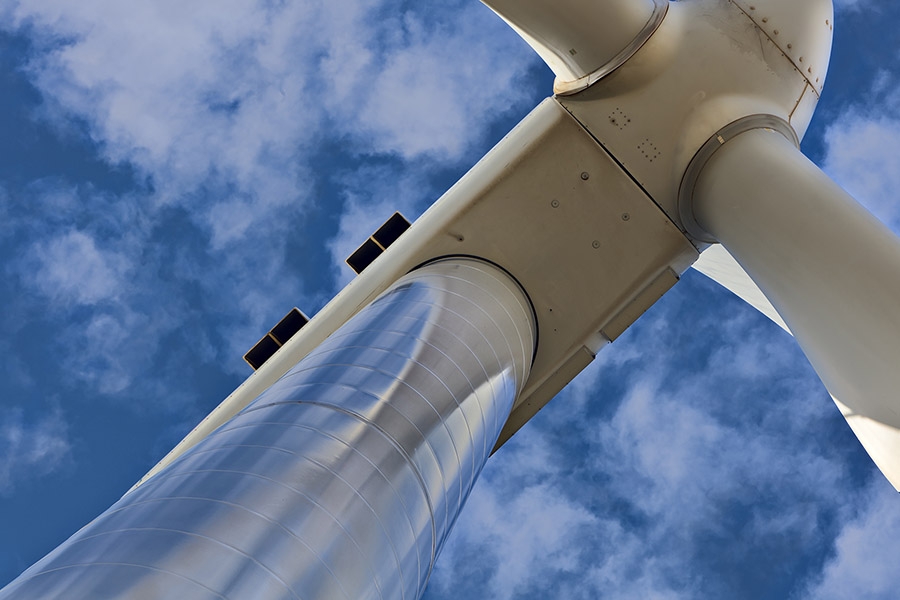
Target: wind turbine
[[673, 129]]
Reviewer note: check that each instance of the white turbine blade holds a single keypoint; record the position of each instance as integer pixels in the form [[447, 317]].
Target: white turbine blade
[[828, 267], [881, 441], [582, 40], [720, 266]]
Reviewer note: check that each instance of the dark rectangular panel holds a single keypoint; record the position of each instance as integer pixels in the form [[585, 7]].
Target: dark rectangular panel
[[388, 233], [261, 352], [288, 326], [364, 256]]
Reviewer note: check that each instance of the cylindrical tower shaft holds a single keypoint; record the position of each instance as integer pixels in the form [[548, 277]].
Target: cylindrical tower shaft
[[340, 481]]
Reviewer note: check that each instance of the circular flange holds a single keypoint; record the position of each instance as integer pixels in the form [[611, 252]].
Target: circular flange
[[567, 88], [718, 139]]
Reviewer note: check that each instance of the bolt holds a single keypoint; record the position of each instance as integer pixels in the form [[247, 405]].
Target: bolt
[[585, 176], [596, 244], [554, 203]]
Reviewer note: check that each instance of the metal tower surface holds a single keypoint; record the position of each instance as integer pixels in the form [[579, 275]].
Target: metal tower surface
[[342, 479]]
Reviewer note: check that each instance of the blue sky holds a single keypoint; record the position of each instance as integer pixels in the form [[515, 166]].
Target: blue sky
[[174, 177]]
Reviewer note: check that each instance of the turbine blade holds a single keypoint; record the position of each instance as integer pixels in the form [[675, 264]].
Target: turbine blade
[[882, 442], [829, 269], [582, 40], [720, 266]]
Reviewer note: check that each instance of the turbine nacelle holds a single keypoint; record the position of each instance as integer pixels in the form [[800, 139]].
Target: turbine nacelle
[[655, 81], [706, 110], [801, 29]]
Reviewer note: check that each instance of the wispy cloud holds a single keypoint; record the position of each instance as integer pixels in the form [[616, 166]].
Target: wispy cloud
[[425, 101], [71, 268], [858, 568], [863, 149], [235, 97], [524, 538], [29, 450]]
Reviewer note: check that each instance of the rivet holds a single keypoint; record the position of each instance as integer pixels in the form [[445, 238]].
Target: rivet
[[790, 46], [585, 176], [801, 59], [776, 32], [596, 244], [554, 203], [809, 70], [752, 8], [765, 19], [626, 217]]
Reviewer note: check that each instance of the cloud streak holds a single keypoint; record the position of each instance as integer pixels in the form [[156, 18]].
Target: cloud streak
[[29, 450], [858, 568]]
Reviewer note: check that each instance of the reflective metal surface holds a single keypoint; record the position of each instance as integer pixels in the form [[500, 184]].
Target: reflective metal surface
[[343, 479]]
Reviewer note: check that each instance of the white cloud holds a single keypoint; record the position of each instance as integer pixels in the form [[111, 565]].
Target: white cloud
[[862, 148], [71, 268], [525, 536], [237, 95], [30, 450], [678, 458], [863, 155], [437, 91], [113, 354], [863, 565], [187, 94]]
